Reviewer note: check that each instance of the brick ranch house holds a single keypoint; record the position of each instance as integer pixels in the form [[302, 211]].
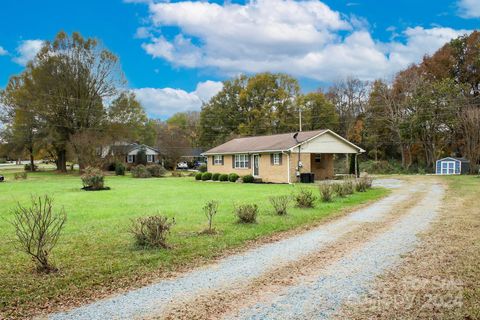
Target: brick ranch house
[[281, 158]]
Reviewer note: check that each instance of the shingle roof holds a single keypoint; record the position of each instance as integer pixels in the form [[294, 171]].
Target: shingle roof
[[276, 142]]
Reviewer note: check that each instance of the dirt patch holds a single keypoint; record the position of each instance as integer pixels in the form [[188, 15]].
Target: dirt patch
[[440, 279], [216, 304]]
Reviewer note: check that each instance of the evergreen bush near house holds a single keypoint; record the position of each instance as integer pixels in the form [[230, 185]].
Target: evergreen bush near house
[[305, 198], [326, 192], [140, 171], [93, 179], [233, 177], [152, 231], [141, 157], [119, 169], [198, 176], [223, 177], [246, 213], [206, 176], [215, 176], [202, 168], [248, 179], [156, 170]]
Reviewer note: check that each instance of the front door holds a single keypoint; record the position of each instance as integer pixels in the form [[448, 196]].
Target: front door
[[256, 165]]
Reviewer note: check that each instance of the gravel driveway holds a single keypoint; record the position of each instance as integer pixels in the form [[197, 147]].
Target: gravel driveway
[[316, 296]]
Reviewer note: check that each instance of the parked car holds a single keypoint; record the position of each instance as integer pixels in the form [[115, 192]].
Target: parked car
[[182, 165], [198, 164]]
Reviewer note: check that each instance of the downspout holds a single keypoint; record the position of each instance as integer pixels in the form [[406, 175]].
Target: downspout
[[356, 173]]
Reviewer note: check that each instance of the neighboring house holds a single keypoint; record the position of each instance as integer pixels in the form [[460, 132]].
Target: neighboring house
[[451, 165], [281, 158], [127, 152]]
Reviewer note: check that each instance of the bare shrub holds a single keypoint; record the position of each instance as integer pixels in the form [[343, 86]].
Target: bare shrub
[[210, 209], [20, 175], [348, 186], [152, 231], [93, 179], [305, 198], [340, 189], [363, 184], [280, 204], [140, 171], [246, 213], [156, 170], [37, 229], [326, 192]]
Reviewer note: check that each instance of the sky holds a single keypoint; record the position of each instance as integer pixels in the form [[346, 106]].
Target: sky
[[175, 54]]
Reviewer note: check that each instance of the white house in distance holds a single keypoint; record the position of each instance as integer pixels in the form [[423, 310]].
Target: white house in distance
[[127, 152]]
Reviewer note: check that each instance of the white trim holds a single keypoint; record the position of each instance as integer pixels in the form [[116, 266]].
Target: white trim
[[360, 150], [276, 155], [245, 161]]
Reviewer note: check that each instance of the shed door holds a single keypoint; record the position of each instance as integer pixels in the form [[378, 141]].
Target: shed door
[[448, 167]]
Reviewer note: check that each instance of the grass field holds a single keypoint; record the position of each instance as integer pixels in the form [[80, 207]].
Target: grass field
[[96, 253]]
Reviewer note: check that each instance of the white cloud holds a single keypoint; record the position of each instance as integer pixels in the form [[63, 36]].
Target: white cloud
[[469, 8], [27, 50], [303, 38], [3, 52], [164, 102]]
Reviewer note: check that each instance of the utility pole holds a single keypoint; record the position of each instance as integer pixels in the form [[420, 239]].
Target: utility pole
[[300, 119]]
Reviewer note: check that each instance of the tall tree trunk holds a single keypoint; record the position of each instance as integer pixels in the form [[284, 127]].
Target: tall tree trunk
[[62, 160], [32, 162]]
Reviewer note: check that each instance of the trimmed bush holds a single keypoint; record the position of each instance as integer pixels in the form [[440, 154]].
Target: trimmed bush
[[363, 184], [156, 170], [119, 169], [140, 171], [215, 176], [38, 228], [246, 213], [223, 177], [280, 204], [202, 168], [28, 167], [305, 198], [198, 176], [233, 177], [93, 179], [20, 176], [152, 231], [248, 179], [326, 192], [206, 176]]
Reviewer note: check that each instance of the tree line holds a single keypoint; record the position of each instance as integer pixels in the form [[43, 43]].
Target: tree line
[[70, 100]]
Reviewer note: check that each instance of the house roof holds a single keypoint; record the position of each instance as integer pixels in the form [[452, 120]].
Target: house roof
[[454, 158], [126, 148], [276, 142]]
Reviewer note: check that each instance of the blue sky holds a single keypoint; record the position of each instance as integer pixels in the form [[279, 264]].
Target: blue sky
[[175, 54]]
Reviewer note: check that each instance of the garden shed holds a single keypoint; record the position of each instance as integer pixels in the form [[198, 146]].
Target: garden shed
[[450, 165]]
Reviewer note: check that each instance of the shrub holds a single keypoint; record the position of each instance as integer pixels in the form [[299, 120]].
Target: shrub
[[233, 177], [280, 204], [348, 186], [223, 177], [156, 170], [202, 168], [152, 231], [305, 198], [248, 179], [93, 179], [37, 229], [119, 169], [326, 192], [363, 184], [215, 176], [20, 175], [206, 176], [210, 209], [28, 167], [198, 176], [112, 166], [140, 171], [246, 213]]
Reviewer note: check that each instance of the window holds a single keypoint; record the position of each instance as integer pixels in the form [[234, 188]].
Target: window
[[318, 157], [276, 159], [149, 157], [218, 160], [130, 158], [241, 161]]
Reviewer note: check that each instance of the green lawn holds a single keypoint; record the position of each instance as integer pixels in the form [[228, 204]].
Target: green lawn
[[96, 249]]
